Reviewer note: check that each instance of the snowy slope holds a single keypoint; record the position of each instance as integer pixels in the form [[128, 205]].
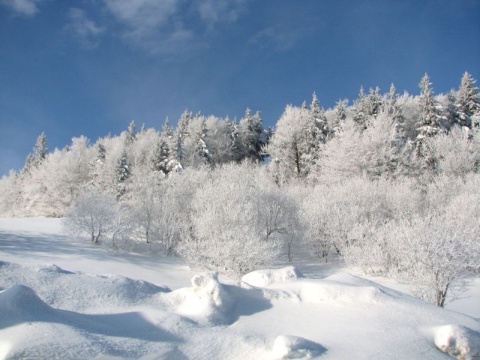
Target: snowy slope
[[65, 298]]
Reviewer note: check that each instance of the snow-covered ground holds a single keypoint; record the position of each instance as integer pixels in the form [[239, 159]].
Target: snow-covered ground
[[65, 298]]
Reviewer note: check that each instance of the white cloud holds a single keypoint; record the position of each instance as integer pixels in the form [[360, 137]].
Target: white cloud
[[22, 7], [143, 17], [215, 11], [169, 26], [276, 39], [84, 29]]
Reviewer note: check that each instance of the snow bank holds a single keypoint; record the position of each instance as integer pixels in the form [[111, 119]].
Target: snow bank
[[294, 347], [78, 291], [19, 302], [263, 278], [458, 341], [206, 302]]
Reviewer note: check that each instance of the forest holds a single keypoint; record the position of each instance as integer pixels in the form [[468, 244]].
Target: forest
[[389, 183]]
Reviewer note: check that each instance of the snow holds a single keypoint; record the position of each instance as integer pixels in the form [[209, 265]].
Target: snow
[[63, 297]]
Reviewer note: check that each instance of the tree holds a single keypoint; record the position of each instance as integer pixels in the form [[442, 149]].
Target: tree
[[131, 133], [366, 107], [340, 116], [39, 153], [93, 212], [122, 173], [295, 145], [372, 152], [433, 253], [253, 136], [429, 120], [239, 222], [321, 130], [467, 102]]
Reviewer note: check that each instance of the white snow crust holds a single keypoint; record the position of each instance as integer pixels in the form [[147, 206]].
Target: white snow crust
[[63, 298]]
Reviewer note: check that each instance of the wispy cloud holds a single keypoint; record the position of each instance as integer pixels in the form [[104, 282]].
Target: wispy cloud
[[84, 29], [22, 7], [276, 39], [216, 11], [172, 26]]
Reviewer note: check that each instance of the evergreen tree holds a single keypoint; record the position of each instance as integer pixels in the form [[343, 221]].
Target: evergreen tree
[[340, 116], [429, 118], [131, 133], [122, 174], [320, 125], [253, 135], [161, 157], [394, 111], [467, 102], [38, 154], [366, 107]]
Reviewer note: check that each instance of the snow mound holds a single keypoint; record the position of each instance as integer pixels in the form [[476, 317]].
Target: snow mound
[[20, 302], [315, 292], [206, 302], [458, 341], [262, 278], [76, 291], [294, 347]]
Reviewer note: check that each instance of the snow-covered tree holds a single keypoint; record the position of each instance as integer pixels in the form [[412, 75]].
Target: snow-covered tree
[[131, 133], [429, 117], [122, 173], [340, 116], [238, 224], [320, 130], [467, 102], [93, 212], [253, 136], [38, 154], [294, 147]]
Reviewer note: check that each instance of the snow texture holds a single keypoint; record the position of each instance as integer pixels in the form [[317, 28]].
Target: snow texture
[[64, 312], [262, 278], [460, 342]]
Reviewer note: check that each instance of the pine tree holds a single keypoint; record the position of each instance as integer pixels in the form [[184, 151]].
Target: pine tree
[[467, 102], [340, 116], [253, 135], [131, 133], [394, 111], [319, 120], [122, 174], [38, 154], [366, 107], [161, 157], [429, 119]]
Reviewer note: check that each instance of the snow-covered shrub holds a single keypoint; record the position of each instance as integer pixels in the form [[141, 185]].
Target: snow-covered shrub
[[331, 212], [100, 216], [239, 224], [433, 253]]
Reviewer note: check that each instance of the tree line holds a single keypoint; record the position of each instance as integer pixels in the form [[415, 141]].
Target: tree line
[[389, 183]]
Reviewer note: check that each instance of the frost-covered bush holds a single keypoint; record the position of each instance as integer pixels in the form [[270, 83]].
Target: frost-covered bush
[[338, 215], [100, 216], [239, 221]]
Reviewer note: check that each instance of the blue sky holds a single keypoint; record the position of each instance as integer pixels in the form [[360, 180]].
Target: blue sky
[[89, 67]]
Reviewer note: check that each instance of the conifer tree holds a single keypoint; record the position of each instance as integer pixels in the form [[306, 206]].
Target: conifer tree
[[429, 118], [467, 102], [122, 174], [253, 135], [38, 154], [319, 120], [340, 116], [131, 133]]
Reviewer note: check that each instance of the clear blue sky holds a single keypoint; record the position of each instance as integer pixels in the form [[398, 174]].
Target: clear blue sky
[[89, 67]]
